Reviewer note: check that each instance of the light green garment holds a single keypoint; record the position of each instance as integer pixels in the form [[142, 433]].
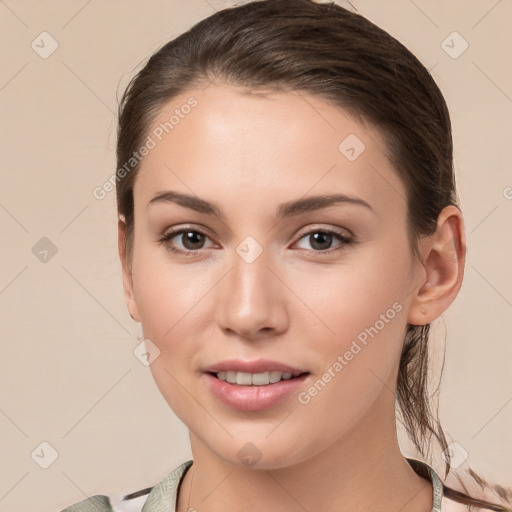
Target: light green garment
[[163, 496]]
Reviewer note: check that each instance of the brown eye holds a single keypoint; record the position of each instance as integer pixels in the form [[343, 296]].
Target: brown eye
[[192, 240], [321, 241], [184, 241]]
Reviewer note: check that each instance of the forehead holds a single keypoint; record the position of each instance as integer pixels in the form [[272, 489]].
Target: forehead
[[231, 146]]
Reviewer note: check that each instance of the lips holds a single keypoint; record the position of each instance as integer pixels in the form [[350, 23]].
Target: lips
[[229, 382], [253, 398]]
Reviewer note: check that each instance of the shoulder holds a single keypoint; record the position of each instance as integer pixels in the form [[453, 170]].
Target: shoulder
[[163, 492], [444, 495], [492, 496], [108, 504], [448, 505]]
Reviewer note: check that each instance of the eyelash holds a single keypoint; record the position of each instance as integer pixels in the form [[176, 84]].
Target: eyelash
[[345, 241]]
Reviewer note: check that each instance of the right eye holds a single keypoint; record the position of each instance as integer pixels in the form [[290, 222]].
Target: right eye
[[192, 241]]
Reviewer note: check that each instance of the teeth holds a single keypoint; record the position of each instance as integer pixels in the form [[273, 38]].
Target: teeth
[[253, 379], [243, 379]]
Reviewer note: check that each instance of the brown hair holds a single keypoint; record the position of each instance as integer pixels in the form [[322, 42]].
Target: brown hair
[[343, 58]]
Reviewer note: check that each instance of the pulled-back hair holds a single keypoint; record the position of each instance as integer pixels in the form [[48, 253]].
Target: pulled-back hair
[[343, 58]]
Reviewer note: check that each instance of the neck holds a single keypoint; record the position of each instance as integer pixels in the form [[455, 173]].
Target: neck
[[364, 470]]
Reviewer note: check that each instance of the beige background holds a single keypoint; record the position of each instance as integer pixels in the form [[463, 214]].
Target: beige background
[[68, 374]]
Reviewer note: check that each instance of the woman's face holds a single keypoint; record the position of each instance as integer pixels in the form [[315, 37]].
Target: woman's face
[[268, 273]]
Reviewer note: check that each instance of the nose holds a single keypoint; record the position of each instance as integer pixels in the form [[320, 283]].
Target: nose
[[251, 301]]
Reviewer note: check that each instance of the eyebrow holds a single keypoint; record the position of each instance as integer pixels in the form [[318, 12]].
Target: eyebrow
[[307, 204]]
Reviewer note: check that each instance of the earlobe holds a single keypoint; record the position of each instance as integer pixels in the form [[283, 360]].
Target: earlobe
[[442, 271], [129, 295]]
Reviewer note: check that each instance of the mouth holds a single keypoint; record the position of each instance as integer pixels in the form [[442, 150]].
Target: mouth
[[254, 392], [256, 379]]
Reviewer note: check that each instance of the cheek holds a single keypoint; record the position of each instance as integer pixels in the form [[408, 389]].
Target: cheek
[[359, 359], [167, 299], [362, 308], [169, 302], [176, 309], [354, 295]]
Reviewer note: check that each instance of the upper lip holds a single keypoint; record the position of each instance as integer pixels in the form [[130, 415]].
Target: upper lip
[[256, 366]]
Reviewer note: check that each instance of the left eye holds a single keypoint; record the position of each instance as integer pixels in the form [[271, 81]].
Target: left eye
[[319, 239]]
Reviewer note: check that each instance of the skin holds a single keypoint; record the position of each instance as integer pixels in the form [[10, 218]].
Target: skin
[[248, 154]]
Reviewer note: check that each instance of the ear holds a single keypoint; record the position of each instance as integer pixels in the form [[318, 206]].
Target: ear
[[129, 295], [443, 255]]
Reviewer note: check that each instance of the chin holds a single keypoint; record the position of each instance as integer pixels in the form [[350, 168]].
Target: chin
[[254, 450]]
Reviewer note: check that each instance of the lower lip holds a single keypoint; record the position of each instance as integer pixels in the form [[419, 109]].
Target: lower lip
[[253, 398]]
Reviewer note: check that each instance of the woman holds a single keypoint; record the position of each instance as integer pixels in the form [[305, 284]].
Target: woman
[[288, 230]]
